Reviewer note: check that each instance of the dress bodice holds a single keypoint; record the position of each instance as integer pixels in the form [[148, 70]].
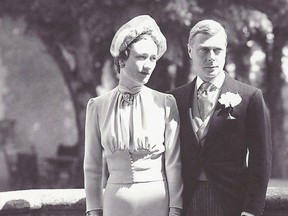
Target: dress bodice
[[133, 127]]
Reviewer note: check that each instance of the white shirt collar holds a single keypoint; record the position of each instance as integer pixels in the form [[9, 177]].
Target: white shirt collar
[[216, 81]]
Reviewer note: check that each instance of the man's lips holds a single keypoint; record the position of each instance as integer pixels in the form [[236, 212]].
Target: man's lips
[[144, 73]]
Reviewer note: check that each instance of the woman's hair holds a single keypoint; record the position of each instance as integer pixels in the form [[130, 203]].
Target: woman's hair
[[124, 55]]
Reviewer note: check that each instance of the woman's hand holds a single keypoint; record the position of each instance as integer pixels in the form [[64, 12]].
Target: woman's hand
[[175, 211]]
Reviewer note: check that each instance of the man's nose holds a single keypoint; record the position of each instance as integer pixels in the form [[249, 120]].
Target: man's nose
[[211, 55]]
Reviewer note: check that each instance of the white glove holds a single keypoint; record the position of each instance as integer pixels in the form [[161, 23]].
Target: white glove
[[175, 211]]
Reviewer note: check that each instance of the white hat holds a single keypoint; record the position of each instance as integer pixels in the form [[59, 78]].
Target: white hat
[[132, 29]]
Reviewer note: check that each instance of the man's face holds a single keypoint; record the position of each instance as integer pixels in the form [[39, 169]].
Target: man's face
[[208, 55]]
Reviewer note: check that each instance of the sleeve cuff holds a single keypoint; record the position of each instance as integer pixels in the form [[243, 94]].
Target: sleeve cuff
[[173, 211], [246, 214]]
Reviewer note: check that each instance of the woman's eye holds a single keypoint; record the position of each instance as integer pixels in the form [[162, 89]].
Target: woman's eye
[[203, 50], [141, 57]]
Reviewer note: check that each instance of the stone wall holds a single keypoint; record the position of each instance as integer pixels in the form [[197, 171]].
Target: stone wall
[[34, 96], [71, 202]]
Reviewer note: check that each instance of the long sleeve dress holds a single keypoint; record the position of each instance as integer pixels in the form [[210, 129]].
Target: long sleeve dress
[[139, 138]]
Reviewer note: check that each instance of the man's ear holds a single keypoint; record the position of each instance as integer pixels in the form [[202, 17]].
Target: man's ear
[[189, 50]]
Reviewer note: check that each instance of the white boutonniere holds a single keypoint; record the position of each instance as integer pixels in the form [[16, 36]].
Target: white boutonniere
[[230, 100]]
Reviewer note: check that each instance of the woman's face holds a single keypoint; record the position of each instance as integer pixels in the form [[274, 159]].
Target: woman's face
[[141, 62]]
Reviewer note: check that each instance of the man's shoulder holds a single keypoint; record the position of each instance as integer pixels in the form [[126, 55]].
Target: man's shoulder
[[181, 89], [241, 87]]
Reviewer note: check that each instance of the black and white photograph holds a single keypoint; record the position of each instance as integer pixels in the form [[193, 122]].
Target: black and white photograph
[[144, 108]]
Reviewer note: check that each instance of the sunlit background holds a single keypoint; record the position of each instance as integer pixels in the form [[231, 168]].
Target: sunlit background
[[54, 56]]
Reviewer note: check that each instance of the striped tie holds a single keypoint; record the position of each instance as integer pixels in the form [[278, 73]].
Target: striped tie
[[205, 101]]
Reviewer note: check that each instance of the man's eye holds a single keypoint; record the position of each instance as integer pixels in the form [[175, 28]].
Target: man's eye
[[217, 50], [153, 58]]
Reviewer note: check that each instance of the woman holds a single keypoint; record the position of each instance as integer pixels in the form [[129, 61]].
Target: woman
[[136, 129]]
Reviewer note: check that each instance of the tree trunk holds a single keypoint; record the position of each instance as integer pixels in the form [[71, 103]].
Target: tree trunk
[[275, 103], [241, 55], [79, 81]]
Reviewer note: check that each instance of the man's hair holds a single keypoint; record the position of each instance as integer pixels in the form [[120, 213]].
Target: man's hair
[[208, 26]]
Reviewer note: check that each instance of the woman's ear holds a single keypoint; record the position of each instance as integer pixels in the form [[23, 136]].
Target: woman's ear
[[121, 64]]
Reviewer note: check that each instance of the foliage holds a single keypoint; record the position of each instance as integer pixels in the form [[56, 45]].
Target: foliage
[[77, 33], [277, 10]]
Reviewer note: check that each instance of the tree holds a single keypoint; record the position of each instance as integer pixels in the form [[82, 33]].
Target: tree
[[277, 11], [262, 22], [78, 33]]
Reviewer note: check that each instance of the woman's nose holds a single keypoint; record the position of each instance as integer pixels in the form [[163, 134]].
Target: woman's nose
[[149, 64]]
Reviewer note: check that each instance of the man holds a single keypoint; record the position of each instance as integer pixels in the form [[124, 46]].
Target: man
[[220, 124]]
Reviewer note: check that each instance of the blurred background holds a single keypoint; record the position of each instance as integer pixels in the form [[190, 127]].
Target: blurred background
[[54, 56]]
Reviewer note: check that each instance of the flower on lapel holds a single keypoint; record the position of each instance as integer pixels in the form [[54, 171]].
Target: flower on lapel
[[230, 100]]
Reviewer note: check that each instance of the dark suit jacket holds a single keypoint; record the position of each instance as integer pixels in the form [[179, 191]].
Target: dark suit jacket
[[223, 155]]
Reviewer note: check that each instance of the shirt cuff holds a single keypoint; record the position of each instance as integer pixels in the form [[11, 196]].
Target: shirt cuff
[[95, 212], [246, 214]]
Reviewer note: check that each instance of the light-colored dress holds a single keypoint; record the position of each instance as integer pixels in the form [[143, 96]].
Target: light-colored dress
[[140, 143]]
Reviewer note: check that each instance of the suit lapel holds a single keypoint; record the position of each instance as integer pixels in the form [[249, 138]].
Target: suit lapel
[[186, 112], [217, 117]]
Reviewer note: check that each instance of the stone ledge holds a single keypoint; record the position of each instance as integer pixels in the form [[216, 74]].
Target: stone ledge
[[43, 202], [70, 202], [277, 198]]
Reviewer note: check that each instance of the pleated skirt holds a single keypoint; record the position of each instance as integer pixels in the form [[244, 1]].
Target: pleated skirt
[[136, 199]]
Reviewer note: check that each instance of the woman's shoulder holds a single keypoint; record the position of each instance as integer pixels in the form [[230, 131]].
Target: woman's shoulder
[[166, 98], [101, 99], [158, 93]]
